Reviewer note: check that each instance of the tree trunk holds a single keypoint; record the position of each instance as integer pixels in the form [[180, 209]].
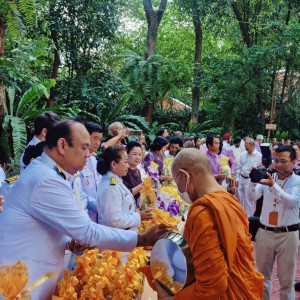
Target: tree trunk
[[197, 68], [2, 87], [153, 21]]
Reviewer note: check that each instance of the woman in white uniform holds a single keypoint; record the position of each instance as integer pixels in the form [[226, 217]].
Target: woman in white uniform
[[115, 203]]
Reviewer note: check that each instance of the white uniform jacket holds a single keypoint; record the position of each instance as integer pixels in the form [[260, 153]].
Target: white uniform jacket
[[115, 204], [40, 216]]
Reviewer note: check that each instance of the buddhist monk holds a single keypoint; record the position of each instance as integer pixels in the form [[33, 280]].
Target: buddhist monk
[[217, 232]]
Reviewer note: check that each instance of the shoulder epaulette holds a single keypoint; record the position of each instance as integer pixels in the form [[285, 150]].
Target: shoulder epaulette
[[12, 179], [113, 180], [60, 171]]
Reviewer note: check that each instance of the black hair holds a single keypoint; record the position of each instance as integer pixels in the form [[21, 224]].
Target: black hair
[[132, 145], [110, 154], [158, 143], [46, 120], [61, 129], [236, 141], [93, 127], [290, 149], [210, 139], [277, 144], [176, 140], [33, 151], [196, 138], [160, 131]]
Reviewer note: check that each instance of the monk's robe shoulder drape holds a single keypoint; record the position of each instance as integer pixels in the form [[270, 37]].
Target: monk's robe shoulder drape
[[217, 231]]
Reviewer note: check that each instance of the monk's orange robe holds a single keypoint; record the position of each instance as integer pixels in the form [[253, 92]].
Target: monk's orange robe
[[217, 231]]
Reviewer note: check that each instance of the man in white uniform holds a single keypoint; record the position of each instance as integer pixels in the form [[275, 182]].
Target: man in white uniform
[[278, 234], [40, 216], [89, 175]]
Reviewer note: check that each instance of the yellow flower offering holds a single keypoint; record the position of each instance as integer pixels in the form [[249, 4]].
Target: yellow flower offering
[[159, 217], [225, 169], [102, 276], [148, 197]]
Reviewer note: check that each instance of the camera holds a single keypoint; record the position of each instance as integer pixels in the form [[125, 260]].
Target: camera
[[259, 174]]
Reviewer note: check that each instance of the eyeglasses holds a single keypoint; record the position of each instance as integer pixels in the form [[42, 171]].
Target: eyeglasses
[[280, 161]]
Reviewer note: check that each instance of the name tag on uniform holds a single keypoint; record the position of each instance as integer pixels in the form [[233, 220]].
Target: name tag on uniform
[[273, 218]]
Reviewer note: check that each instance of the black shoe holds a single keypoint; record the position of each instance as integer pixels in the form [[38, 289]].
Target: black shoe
[[297, 285]]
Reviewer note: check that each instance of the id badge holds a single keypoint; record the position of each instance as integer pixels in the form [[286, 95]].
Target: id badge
[[273, 217]]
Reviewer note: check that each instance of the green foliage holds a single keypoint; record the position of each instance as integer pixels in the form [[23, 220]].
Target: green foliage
[[150, 78], [15, 15], [281, 135], [14, 134]]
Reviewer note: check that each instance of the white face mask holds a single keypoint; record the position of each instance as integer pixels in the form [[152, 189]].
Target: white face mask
[[184, 196]]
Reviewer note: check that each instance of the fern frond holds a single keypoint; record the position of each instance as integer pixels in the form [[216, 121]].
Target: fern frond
[[28, 11]]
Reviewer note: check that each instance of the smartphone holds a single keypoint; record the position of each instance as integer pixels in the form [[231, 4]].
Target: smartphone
[[134, 132]]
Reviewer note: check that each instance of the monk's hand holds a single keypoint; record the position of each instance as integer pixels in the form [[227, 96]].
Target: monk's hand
[[161, 293], [146, 215], [1, 203], [269, 181], [152, 235], [76, 248]]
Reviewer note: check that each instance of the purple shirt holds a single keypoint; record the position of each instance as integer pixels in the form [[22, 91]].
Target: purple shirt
[[132, 179], [257, 147], [215, 166], [158, 159]]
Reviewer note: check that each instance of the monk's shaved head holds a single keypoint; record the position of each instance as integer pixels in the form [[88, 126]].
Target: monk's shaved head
[[193, 161]]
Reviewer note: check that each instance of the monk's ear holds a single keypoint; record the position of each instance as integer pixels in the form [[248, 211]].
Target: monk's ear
[[185, 174]]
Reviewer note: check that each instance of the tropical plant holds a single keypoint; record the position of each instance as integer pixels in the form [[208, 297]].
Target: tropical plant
[[18, 114], [151, 78]]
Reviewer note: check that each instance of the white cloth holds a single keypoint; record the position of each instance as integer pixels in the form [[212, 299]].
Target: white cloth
[[116, 205], [40, 217], [246, 163], [282, 246], [90, 178], [226, 145], [34, 141], [167, 154], [288, 200], [237, 151], [242, 145]]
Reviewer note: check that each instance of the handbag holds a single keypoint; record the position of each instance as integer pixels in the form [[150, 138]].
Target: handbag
[[254, 223]]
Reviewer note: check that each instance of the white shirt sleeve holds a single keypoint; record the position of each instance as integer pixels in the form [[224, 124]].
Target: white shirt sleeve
[[52, 203]]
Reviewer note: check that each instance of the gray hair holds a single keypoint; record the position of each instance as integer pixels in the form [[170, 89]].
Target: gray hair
[[250, 141], [112, 126]]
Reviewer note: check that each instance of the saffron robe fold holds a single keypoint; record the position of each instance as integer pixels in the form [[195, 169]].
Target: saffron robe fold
[[218, 236]]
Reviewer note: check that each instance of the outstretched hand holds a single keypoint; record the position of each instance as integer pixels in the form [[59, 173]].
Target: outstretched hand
[[76, 248], [150, 236]]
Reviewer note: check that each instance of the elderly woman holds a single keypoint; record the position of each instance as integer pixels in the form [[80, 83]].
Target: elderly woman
[[115, 203], [133, 178]]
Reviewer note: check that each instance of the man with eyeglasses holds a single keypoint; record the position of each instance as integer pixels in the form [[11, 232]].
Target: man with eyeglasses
[[277, 236]]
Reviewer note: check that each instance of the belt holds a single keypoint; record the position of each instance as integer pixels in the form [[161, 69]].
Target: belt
[[294, 227], [246, 177]]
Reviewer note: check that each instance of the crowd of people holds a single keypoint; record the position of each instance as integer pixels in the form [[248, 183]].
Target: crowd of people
[[76, 191]]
